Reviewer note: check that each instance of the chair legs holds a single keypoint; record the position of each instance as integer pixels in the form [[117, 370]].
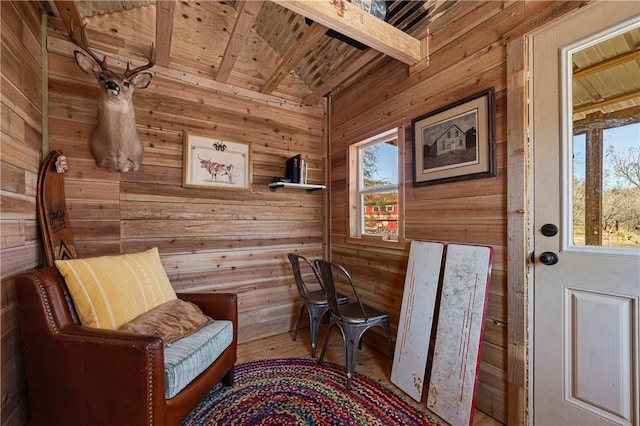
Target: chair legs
[[387, 329], [295, 332], [352, 335], [315, 316], [229, 378], [326, 340], [351, 347]]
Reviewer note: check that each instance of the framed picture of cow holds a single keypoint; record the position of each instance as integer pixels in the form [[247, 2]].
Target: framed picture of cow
[[455, 142], [212, 162]]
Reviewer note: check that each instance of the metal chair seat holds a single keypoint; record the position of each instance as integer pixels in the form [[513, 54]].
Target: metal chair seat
[[352, 313], [317, 298]]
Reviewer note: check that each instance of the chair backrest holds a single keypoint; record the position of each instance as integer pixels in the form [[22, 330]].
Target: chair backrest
[[296, 261], [53, 216], [329, 272]]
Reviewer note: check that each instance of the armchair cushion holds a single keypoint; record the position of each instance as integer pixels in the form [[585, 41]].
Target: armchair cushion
[[186, 358], [172, 320], [109, 291]]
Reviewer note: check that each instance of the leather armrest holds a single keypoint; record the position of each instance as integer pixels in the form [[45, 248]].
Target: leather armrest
[[96, 370], [90, 336], [119, 350], [215, 305]]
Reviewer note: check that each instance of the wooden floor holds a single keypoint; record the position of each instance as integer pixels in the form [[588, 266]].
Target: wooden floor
[[371, 363]]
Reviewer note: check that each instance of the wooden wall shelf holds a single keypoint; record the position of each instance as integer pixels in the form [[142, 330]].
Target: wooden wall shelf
[[308, 187]]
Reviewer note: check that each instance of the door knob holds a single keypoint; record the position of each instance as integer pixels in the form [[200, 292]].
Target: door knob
[[549, 258]]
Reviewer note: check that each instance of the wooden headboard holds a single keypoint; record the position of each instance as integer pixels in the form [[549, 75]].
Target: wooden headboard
[[53, 217]]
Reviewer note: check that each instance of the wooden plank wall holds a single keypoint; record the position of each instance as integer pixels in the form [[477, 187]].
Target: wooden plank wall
[[467, 55], [21, 154], [209, 239]]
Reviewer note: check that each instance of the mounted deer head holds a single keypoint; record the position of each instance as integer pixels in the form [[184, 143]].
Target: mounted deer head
[[115, 142]]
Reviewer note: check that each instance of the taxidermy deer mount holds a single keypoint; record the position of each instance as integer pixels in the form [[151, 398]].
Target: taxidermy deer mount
[[115, 142]]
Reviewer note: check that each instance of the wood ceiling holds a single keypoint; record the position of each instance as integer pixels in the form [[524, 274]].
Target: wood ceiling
[[269, 48], [223, 38]]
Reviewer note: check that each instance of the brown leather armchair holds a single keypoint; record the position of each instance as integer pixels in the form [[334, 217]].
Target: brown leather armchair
[[85, 376]]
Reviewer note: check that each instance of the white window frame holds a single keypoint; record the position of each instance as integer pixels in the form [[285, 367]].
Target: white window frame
[[356, 191]]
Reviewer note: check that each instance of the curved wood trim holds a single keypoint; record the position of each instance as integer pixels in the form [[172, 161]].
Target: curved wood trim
[[51, 208]]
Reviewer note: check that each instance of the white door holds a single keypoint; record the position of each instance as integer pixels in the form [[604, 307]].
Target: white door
[[585, 307]]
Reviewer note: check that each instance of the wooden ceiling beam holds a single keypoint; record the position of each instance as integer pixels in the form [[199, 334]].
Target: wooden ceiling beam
[[355, 23], [619, 118], [165, 11], [606, 102], [606, 64], [68, 11], [302, 48], [247, 13]]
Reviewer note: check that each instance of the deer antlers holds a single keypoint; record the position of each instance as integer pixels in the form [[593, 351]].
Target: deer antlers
[[151, 60], [151, 56], [102, 63]]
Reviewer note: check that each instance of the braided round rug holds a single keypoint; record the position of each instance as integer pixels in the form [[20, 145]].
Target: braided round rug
[[300, 391]]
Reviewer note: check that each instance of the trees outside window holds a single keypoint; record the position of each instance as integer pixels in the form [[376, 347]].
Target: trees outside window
[[618, 186]]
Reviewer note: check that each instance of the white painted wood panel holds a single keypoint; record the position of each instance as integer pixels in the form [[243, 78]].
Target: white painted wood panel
[[597, 364], [416, 317], [459, 333]]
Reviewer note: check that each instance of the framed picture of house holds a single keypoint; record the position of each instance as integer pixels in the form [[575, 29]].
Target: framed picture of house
[[215, 163], [455, 142]]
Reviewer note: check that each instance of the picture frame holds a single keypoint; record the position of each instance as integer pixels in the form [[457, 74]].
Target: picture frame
[[211, 162], [456, 142]]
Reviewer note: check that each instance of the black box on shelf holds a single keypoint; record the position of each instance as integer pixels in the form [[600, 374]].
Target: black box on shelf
[[293, 168]]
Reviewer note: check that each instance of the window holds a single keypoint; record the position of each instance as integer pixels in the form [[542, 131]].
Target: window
[[374, 180]]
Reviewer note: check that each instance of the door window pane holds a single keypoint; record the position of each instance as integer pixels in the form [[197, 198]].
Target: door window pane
[[605, 152]]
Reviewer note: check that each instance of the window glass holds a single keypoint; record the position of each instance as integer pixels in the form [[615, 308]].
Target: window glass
[[604, 210], [606, 190]]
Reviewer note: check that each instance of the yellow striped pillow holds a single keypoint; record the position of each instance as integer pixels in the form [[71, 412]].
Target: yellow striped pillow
[[109, 291]]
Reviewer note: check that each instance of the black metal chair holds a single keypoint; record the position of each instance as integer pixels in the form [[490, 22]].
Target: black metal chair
[[313, 297], [354, 319]]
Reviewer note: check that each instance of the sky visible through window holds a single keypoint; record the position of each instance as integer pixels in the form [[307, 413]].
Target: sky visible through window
[[388, 163], [620, 138]]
